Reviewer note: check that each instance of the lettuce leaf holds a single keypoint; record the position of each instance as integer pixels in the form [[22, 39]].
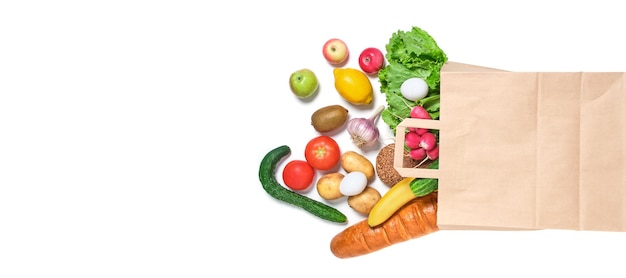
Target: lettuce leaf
[[410, 54]]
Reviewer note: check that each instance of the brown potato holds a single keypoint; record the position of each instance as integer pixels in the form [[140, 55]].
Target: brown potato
[[328, 186], [352, 161], [364, 201]]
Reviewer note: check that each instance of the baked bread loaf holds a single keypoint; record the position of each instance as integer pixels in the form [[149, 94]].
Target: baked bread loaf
[[415, 219]]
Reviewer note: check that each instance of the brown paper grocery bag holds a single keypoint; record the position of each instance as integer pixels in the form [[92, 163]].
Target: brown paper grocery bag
[[529, 150]]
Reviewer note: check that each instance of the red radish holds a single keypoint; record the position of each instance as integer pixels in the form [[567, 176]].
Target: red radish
[[428, 141], [417, 154], [419, 112], [412, 140], [421, 131], [433, 154]]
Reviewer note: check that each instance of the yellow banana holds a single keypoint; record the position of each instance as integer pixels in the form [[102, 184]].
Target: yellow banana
[[396, 197]]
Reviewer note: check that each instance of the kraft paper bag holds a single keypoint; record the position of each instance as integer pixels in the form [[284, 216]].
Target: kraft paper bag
[[529, 150]]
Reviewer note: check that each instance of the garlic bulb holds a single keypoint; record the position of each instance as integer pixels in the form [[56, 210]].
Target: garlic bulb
[[363, 131]]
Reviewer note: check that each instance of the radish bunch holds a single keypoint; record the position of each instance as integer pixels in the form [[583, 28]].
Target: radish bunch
[[422, 143]]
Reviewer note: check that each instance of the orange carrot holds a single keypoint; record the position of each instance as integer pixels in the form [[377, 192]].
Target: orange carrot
[[415, 219]]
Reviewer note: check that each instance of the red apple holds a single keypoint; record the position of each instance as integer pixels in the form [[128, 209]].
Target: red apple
[[335, 51], [371, 60]]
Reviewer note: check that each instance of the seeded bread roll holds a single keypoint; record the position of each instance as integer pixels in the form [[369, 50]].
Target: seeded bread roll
[[384, 165]]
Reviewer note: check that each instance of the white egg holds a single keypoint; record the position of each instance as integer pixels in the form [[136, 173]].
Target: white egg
[[414, 89], [353, 183]]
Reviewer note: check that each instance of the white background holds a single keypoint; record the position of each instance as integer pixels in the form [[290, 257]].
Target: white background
[[131, 134]]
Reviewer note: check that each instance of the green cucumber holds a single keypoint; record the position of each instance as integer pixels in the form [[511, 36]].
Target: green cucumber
[[424, 186], [267, 176]]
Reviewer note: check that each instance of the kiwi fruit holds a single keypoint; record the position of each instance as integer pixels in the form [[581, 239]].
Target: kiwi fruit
[[329, 118]]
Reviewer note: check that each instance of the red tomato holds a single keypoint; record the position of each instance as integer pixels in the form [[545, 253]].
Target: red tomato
[[298, 175], [322, 152]]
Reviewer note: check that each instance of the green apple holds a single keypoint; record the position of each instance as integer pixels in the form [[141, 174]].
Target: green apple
[[303, 83]]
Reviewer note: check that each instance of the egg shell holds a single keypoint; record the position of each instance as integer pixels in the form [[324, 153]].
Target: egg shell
[[414, 89], [353, 183]]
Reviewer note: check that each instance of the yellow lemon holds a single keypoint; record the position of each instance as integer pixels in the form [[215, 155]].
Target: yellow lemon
[[353, 85]]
